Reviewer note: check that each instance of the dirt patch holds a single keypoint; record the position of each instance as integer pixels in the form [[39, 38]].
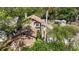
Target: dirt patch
[[22, 41]]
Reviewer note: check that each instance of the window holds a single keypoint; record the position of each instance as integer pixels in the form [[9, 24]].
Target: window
[[37, 24]]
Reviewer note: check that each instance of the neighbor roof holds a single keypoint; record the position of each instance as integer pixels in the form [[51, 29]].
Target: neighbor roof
[[36, 18]]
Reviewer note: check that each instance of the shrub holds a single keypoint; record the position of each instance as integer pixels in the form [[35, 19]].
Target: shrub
[[38, 46], [61, 32], [44, 46], [38, 35]]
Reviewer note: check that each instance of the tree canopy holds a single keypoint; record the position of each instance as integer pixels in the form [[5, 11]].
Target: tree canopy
[[67, 13]]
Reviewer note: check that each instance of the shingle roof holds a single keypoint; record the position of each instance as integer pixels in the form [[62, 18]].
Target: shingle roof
[[36, 18]]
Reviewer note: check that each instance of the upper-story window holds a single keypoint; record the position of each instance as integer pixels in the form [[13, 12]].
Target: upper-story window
[[37, 24]]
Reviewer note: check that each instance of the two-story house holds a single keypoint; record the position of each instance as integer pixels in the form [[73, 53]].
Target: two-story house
[[39, 25]]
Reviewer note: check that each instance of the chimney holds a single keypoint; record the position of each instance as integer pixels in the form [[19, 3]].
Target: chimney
[[46, 16], [25, 15], [45, 37]]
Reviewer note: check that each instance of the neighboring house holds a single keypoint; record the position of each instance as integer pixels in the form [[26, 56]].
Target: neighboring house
[[60, 22], [12, 22], [3, 36], [63, 23]]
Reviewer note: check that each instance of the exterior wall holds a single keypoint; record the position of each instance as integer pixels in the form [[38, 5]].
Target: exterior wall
[[35, 27], [40, 28], [44, 34], [32, 24]]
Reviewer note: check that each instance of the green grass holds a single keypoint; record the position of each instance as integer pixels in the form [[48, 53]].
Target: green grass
[[61, 32], [44, 46]]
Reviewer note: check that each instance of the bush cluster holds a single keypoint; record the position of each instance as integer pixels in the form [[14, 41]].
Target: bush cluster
[[61, 32], [44, 46]]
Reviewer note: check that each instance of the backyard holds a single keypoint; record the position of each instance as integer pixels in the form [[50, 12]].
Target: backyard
[[39, 29]]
